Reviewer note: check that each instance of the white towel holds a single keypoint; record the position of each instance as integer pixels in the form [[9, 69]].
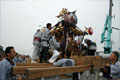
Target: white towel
[[55, 56]]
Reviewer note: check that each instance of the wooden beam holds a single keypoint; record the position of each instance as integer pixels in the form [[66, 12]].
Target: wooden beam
[[33, 64], [88, 60], [93, 60], [33, 73], [98, 66], [105, 60], [38, 70], [21, 69]]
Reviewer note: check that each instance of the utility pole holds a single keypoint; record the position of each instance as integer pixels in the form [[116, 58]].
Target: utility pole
[[107, 28], [0, 22]]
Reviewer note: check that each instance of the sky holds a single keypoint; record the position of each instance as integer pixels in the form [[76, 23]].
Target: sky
[[19, 20]]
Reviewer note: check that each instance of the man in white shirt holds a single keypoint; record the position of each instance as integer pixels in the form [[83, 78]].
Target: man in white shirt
[[36, 42], [114, 67], [45, 43]]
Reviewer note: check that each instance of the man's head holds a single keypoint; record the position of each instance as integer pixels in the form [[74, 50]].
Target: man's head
[[2, 55], [17, 55], [38, 30], [10, 52], [49, 26], [57, 37], [114, 56]]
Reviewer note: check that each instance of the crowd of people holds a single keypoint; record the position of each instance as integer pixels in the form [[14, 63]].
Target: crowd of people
[[8, 59], [19, 58], [41, 43], [111, 71], [44, 42], [22, 59]]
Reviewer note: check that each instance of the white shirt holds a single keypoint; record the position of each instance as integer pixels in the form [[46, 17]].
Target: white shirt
[[45, 37]]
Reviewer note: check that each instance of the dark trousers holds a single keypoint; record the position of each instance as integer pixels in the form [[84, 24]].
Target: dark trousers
[[91, 52], [75, 76], [68, 53], [44, 54]]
